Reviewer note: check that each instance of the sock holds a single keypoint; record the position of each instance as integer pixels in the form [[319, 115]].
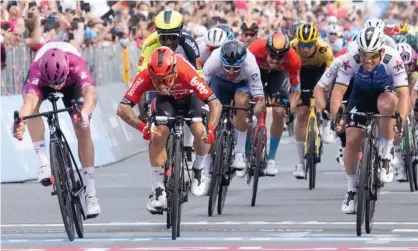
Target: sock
[[274, 144], [386, 147], [188, 136], [40, 149], [157, 177], [199, 162], [351, 183], [300, 151], [342, 138], [208, 164], [89, 181], [241, 139]]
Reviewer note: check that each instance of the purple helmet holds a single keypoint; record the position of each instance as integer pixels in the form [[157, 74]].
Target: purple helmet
[[54, 66]]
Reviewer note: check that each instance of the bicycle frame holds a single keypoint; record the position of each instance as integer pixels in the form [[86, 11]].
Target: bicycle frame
[[312, 115]]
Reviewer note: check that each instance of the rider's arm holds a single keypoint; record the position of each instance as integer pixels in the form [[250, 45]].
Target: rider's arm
[[88, 90], [212, 66], [254, 82], [325, 82], [342, 82], [148, 46], [132, 96], [191, 49], [31, 92], [400, 82]]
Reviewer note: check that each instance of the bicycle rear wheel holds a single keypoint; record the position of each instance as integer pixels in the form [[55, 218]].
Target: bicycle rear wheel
[[226, 172], [176, 193], [62, 188], [407, 154], [168, 177], [415, 157], [311, 155], [364, 174], [217, 169], [257, 165], [372, 192]]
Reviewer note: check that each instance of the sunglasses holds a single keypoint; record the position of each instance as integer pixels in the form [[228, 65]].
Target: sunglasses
[[333, 34], [369, 55], [169, 37], [306, 45], [249, 34], [276, 57], [58, 82], [232, 68]]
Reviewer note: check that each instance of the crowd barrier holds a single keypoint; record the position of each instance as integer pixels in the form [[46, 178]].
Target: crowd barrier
[[113, 139]]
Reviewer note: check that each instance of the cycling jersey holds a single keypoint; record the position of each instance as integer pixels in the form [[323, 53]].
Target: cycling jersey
[[79, 74], [204, 53], [322, 56], [186, 82], [291, 63], [337, 45], [248, 75], [412, 68], [187, 47], [389, 41], [390, 72]]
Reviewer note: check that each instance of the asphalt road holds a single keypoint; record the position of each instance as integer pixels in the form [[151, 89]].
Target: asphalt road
[[287, 216]]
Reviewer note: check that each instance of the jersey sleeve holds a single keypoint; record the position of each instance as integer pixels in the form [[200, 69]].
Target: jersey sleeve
[[191, 49], [212, 66], [194, 81], [329, 56], [33, 82], [204, 54], [390, 42], [330, 73], [141, 84], [396, 68], [148, 46], [346, 71], [294, 67], [254, 76], [79, 72]]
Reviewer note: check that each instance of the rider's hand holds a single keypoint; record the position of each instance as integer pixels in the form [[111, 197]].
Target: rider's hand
[[18, 130], [209, 138], [339, 126], [84, 121], [326, 114], [146, 133]]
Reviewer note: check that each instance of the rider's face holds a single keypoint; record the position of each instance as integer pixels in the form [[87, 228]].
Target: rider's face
[[57, 87], [370, 60]]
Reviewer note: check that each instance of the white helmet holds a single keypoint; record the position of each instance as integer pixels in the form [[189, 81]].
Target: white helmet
[[370, 39], [375, 22], [406, 52], [333, 28], [199, 31], [215, 37]]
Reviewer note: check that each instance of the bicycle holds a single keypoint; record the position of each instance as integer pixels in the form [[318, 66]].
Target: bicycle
[[368, 182], [409, 152], [222, 172], [67, 186], [313, 144], [176, 186], [258, 157]]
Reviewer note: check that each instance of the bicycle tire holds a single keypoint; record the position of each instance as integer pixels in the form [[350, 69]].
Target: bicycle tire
[[259, 161], [373, 186], [168, 180], [216, 173], [176, 193], [61, 188], [415, 162], [226, 171], [311, 156], [75, 201], [361, 193], [408, 157]]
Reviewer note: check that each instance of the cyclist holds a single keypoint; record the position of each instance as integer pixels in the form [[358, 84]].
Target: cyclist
[[169, 32], [233, 74], [213, 39], [410, 59], [180, 91], [278, 62], [292, 31], [316, 56], [378, 23], [229, 32], [325, 83], [249, 32], [59, 66], [378, 71], [333, 40], [391, 30]]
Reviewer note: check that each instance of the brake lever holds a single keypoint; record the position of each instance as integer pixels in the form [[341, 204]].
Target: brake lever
[[16, 122], [337, 119], [76, 109]]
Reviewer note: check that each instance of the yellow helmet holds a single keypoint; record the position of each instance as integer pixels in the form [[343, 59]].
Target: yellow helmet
[[403, 28], [307, 33], [168, 21]]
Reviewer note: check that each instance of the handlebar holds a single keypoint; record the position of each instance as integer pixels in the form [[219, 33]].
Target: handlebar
[[166, 119]]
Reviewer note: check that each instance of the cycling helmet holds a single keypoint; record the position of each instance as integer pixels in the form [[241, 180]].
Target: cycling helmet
[[54, 66], [215, 37], [278, 44], [233, 53], [403, 28], [391, 29], [333, 28], [169, 21], [400, 39], [249, 27], [227, 29], [406, 52], [374, 22], [370, 40], [199, 31], [162, 68], [293, 29], [307, 33]]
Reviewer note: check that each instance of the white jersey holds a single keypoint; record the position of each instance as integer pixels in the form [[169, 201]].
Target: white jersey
[[64, 46], [204, 53], [390, 42], [250, 73], [391, 71]]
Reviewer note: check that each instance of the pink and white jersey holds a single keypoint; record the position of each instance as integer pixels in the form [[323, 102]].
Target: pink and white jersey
[[78, 75]]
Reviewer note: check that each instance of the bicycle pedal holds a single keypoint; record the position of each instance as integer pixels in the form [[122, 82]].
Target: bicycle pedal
[[92, 216], [53, 193], [157, 212]]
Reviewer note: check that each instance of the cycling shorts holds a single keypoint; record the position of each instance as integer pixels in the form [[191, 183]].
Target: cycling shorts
[[276, 85], [309, 77], [364, 101], [190, 107], [225, 90]]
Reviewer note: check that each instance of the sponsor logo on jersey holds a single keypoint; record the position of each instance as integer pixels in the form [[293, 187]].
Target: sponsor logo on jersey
[[346, 65], [85, 84], [387, 58], [35, 81], [357, 58], [255, 77], [199, 85], [333, 70], [134, 86], [83, 75], [192, 45], [398, 66]]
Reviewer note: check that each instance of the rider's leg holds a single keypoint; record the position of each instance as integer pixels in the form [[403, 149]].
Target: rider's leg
[[302, 115], [241, 100]]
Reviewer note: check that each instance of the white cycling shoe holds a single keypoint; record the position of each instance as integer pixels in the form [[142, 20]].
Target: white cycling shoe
[[299, 172], [199, 182], [157, 200], [350, 203], [327, 134], [271, 169], [44, 175], [240, 164], [93, 207]]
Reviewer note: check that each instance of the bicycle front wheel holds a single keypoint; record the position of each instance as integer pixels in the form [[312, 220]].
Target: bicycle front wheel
[[216, 172], [62, 188], [364, 176], [226, 172], [407, 154], [257, 165], [176, 193], [168, 180], [311, 155]]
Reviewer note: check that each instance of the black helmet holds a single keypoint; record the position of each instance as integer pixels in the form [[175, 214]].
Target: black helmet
[[233, 53], [249, 26]]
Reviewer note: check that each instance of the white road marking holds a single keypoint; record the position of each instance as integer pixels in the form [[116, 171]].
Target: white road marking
[[405, 230], [397, 193]]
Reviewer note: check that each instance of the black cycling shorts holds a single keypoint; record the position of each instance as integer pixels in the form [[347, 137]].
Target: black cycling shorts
[[276, 85], [190, 107], [309, 77], [364, 101]]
